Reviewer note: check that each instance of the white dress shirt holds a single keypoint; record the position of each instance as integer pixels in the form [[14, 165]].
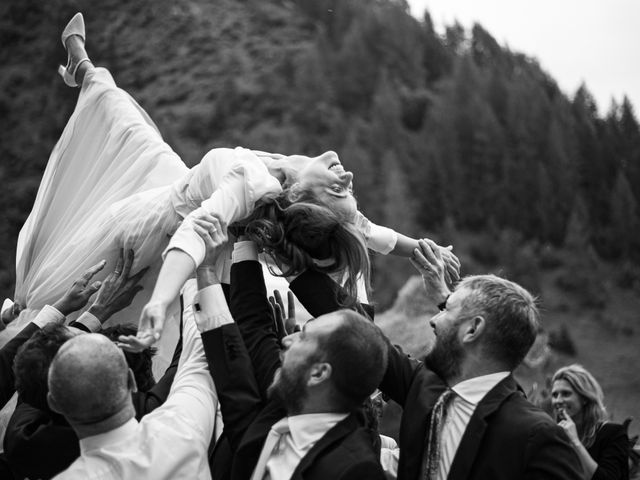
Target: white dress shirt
[[468, 395], [172, 441], [304, 433], [389, 456]]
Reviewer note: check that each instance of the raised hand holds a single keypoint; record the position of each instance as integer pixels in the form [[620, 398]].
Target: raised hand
[[569, 427], [149, 329], [214, 234], [451, 263], [10, 313], [154, 313], [78, 295], [284, 326], [429, 262], [118, 289]]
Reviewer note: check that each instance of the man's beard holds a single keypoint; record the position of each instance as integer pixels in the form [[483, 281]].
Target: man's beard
[[289, 385], [446, 355]]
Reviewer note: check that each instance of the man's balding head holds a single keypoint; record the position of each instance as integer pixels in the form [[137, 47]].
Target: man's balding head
[[89, 380]]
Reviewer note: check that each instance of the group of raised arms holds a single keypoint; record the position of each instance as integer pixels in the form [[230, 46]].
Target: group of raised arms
[[142, 342]]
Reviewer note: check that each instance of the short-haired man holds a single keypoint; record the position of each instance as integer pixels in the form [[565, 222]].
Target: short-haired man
[[464, 416], [307, 425], [91, 385]]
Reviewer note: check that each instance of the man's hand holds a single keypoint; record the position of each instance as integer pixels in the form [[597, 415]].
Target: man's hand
[[10, 313], [149, 329], [118, 289], [78, 295], [451, 263], [214, 234], [284, 326], [429, 262]]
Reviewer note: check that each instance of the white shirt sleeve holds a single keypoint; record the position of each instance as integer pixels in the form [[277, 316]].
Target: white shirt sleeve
[[47, 315], [210, 308], [193, 396], [233, 199], [90, 321], [243, 251], [379, 239]]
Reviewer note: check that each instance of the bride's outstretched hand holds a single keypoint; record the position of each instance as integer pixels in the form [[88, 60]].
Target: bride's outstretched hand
[[149, 329]]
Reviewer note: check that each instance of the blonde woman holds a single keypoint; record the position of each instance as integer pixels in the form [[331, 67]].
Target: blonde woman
[[578, 403]]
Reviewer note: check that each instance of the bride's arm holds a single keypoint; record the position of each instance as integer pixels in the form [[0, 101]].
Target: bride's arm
[[387, 241], [238, 188]]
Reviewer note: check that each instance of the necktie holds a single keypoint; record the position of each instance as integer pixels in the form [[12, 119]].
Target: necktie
[[431, 458], [279, 428]]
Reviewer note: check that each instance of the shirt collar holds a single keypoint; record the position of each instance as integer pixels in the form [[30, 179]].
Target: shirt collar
[[474, 389], [108, 438], [307, 429]]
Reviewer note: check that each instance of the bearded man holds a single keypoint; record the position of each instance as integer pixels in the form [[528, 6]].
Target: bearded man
[[292, 413], [464, 415]]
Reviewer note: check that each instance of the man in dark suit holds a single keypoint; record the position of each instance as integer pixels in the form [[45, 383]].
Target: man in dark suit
[[295, 417], [464, 415]]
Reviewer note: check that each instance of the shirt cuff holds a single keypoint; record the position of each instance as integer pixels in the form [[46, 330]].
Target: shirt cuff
[[244, 251], [90, 321], [210, 308], [47, 315]]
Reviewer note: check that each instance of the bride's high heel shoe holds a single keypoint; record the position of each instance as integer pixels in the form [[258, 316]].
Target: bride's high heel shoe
[[74, 27]]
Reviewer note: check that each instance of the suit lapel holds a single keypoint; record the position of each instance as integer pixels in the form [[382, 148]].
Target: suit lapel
[[414, 427], [337, 433], [472, 438]]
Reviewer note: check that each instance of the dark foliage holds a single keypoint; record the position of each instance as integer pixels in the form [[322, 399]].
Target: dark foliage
[[435, 127]]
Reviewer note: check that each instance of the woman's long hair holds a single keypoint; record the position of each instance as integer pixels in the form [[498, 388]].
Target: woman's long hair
[[294, 233], [588, 389]]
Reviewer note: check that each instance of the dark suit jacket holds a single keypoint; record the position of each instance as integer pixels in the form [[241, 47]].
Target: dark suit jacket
[[610, 450], [7, 354], [243, 365], [507, 438]]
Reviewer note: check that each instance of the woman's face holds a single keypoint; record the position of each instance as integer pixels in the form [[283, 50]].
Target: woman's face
[[563, 397], [327, 178]]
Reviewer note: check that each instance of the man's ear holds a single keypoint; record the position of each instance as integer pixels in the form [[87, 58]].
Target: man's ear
[[131, 382], [52, 404], [319, 373], [473, 329]]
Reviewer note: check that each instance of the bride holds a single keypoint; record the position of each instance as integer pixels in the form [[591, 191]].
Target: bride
[[112, 182]]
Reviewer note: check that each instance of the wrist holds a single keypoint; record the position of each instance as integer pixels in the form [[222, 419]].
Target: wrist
[[206, 277], [63, 307], [100, 312]]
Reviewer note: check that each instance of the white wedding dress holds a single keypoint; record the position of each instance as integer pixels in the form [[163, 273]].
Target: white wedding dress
[[112, 182]]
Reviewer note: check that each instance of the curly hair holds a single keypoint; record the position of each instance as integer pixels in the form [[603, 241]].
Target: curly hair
[[589, 390], [294, 233], [141, 363], [31, 364]]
